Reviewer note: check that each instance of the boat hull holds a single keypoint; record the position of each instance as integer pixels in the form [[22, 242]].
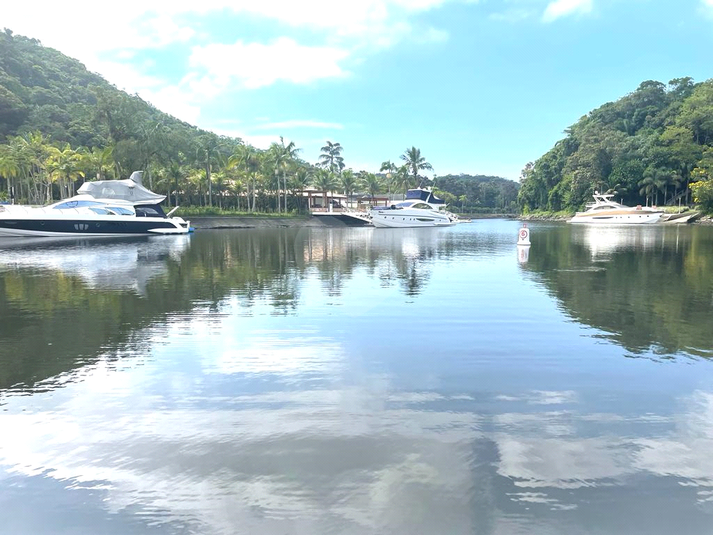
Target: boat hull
[[618, 219], [396, 219], [118, 226]]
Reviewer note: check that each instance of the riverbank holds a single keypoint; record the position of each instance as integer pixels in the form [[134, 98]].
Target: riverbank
[[238, 222], [235, 222]]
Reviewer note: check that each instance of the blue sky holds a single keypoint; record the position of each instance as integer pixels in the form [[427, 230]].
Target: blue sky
[[480, 86]]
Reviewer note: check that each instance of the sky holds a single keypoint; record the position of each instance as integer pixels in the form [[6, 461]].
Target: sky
[[479, 86]]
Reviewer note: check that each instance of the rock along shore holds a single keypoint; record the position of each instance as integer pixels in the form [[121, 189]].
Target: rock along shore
[[226, 222]]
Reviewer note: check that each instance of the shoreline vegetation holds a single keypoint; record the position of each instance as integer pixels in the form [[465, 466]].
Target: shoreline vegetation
[[653, 146]]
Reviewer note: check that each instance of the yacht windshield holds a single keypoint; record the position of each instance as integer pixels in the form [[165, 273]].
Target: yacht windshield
[[120, 210], [75, 204]]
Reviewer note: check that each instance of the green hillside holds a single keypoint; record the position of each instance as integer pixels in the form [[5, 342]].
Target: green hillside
[[60, 123], [42, 90], [473, 194], [651, 146]]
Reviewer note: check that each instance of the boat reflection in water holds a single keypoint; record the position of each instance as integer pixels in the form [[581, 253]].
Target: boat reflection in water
[[604, 240], [108, 264]]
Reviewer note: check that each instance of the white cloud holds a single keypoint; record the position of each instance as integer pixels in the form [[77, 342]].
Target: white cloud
[[562, 8], [257, 65], [343, 34]]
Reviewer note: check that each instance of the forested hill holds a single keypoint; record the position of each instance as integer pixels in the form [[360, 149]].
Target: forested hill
[[42, 90], [478, 193], [648, 146]]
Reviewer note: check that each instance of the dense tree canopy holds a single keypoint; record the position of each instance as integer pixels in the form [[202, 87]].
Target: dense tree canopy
[[478, 194], [647, 147]]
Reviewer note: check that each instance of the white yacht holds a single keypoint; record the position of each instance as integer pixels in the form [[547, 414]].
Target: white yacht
[[410, 214], [101, 208], [420, 209], [606, 211]]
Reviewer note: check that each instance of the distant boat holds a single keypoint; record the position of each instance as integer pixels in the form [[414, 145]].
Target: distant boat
[[608, 212], [102, 208]]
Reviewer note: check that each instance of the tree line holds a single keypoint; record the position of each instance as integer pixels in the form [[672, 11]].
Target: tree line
[[228, 174], [653, 146]]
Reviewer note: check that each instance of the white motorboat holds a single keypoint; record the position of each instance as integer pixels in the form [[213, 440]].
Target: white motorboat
[[410, 214], [420, 209], [101, 208], [606, 211]]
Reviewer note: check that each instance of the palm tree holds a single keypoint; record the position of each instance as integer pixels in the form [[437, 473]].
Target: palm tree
[[325, 180], [196, 181], [174, 171], [348, 180], [236, 188], [401, 180], [647, 185], [247, 160], [33, 149], [390, 168], [299, 182], [10, 166], [282, 157], [463, 199], [96, 161], [208, 153], [372, 183], [64, 165], [415, 163], [331, 157]]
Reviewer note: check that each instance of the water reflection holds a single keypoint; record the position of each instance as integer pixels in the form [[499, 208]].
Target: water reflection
[[604, 240], [111, 264], [352, 381], [647, 287]]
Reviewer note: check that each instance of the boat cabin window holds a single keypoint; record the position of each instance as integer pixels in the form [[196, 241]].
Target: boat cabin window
[[100, 210], [75, 204], [118, 210], [146, 211], [421, 206]]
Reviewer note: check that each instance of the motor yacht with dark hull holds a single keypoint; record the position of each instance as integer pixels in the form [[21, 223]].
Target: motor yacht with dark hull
[[102, 208]]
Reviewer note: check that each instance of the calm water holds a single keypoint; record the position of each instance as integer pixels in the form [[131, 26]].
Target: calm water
[[359, 381]]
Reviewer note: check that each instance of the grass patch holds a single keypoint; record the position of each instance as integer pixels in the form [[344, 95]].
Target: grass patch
[[548, 214]]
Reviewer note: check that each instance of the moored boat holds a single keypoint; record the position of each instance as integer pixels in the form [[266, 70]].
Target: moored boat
[[420, 209], [604, 210], [101, 208]]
